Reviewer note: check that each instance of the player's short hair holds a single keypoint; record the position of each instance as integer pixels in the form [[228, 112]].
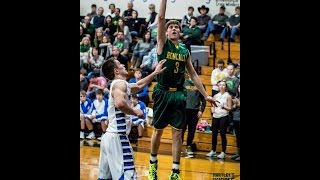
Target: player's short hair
[[108, 68], [173, 21]]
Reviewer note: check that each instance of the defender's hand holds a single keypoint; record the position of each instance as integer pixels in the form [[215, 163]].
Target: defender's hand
[[159, 68]]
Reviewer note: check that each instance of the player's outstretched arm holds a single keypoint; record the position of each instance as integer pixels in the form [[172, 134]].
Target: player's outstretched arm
[[137, 87], [196, 80], [161, 36]]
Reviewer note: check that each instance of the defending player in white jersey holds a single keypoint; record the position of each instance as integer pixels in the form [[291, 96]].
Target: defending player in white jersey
[[116, 154]]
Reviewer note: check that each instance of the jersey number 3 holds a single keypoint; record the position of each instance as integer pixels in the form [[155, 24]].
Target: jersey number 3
[[176, 70]]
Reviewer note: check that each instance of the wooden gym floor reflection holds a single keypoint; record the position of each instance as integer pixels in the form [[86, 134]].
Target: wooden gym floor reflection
[[197, 168]]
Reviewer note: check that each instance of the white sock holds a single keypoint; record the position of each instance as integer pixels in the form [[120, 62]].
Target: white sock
[[153, 158], [175, 166]]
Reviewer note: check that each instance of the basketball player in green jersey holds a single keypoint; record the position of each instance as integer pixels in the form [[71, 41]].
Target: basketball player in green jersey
[[168, 94]]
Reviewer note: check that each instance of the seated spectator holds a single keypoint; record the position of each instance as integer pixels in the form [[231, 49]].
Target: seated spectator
[[233, 26], [217, 24], [127, 14], [98, 37], [100, 111], [85, 109], [142, 48], [117, 56], [98, 20], [203, 19], [149, 62], [115, 19], [88, 28], [152, 18], [122, 44], [151, 22], [192, 34], [112, 8], [97, 113], [125, 29], [96, 60], [134, 24], [136, 104], [82, 35], [105, 47], [143, 94], [85, 49], [96, 83], [93, 12], [185, 21], [83, 80], [109, 28]]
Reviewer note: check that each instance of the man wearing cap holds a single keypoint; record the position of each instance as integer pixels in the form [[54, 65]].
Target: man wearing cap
[[217, 24], [203, 19]]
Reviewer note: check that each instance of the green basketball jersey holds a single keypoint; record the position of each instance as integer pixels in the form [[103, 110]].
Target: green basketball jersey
[[176, 57]]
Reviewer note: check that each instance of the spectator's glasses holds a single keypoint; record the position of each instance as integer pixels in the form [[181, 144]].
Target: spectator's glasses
[[82, 96]]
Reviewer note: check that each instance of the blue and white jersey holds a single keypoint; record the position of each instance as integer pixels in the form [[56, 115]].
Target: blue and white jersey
[[142, 106], [119, 122], [86, 107], [100, 109]]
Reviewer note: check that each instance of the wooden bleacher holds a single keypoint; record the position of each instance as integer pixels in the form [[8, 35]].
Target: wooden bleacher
[[201, 139]]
